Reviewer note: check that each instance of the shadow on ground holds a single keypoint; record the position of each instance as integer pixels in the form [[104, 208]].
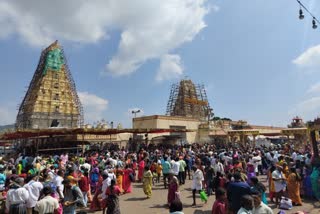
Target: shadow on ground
[[164, 206], [202, 212], [136, 199]]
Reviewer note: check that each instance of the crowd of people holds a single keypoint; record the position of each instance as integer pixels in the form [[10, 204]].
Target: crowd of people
[[64, 183]]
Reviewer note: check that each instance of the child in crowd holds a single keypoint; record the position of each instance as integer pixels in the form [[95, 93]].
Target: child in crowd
[[219, 206]]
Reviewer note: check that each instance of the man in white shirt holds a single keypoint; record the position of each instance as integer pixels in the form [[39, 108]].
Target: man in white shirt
[[299, 157], [48, 204], [175, 167], [51, 173], [308, 160], [87, 166], [256, 160], [196, 183], [34, 188], [57, 180], [274, 158], [17, 196], [259, 206], [294, 156], [218, 167], [246, 205], [279, 182], [113, 162], [268, 156]]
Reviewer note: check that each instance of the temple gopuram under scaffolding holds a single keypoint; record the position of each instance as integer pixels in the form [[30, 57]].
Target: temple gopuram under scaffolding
[[51, 99], [188, 100], [50, 118], [188, 109], [50, 102]]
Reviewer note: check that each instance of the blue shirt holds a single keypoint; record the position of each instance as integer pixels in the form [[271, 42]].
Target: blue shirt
[[166, 166], [24, 163], [235, 192], [188, 162], [2, 178]]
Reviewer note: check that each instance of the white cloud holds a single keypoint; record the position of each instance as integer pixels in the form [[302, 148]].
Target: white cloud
[[214, 8], [309, 59], [39, 23], [307, 109], [166, 25], [314, 88], [170, 67], [149, 29], [7, 116], [94, 106]]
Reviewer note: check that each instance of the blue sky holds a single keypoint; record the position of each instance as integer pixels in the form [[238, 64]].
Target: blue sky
[[258, 61]]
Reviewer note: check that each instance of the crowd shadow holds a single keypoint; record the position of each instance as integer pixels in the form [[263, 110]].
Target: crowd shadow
[[158, 187], [272, 206], [202, 211], [163, 206], [316, 204], [187, 205], [138, 185], [136, 199]]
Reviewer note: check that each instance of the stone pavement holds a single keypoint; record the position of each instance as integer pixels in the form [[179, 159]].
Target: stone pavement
[[137, 202]]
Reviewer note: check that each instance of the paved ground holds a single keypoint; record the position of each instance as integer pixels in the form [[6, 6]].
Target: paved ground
[[137, 202]]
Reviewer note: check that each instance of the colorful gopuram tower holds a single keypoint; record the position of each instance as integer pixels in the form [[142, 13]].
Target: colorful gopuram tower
[[188, 100], [51, 99]]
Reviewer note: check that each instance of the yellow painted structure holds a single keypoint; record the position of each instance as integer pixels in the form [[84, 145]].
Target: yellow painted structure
[[51, 96]]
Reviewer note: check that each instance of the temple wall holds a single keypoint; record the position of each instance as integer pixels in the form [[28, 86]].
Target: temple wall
[[167, 122]]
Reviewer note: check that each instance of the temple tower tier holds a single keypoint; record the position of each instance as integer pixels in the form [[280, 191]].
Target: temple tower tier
[[51, 99]]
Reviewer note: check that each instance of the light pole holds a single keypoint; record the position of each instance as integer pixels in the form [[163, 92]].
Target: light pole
[[111, 126], [134, 134], [135, 112]]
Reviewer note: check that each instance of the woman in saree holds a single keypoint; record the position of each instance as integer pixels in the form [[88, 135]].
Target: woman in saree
[[94, 179], [140, 170], [147, 182], [315, 182], [250, 171], [140, 155], [119, 176], [285, 169], [257, 186], [307, 186], [271, 183], [293, 187], [129, 159], [96, 200], [126, 183], [173, 188], [112, 192]]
